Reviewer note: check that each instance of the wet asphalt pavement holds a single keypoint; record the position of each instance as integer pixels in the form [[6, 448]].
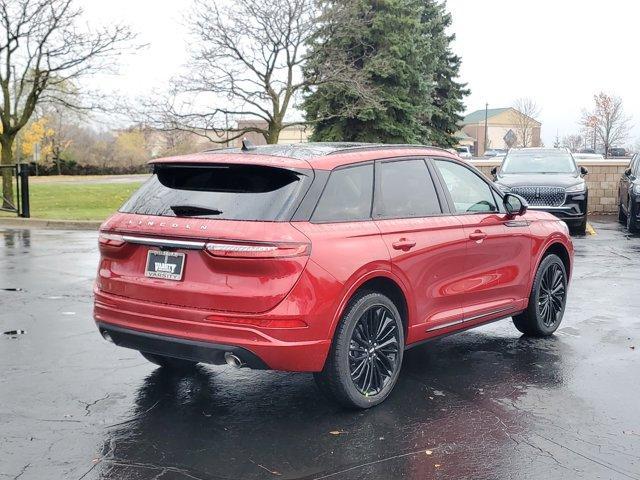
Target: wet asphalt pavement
[[481, 404]]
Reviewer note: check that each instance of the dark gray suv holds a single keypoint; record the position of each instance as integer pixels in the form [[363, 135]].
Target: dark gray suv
[[629, 196], [549, 180]]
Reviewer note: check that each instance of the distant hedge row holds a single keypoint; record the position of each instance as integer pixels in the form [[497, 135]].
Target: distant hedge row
[[74, 168]]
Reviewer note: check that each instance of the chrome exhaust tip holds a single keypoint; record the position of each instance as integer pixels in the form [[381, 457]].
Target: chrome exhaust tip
[[106, 336], [233, 360]]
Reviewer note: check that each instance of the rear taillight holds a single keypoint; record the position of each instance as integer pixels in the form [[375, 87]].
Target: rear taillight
[[257, 250], [110, 239]]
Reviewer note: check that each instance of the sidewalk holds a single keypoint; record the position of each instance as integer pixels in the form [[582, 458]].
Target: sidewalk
[[53, 224]]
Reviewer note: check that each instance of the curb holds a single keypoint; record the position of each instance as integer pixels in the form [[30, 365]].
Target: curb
[[51, 224]]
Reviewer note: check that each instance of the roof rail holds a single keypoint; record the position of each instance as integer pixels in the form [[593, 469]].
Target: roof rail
[[385, 146]]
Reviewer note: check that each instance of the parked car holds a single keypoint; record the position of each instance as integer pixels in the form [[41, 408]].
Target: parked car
[[299, 258], [629, 196], [617, 152], [495, 152], [464, 152], [588, 156], [549, 180]]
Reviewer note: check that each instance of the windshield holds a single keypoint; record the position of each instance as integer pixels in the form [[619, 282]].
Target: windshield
[[538, 161], [222, 191]]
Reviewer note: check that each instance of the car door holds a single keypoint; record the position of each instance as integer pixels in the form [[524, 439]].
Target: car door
[[498, 255], [625, 183], [426, 243]]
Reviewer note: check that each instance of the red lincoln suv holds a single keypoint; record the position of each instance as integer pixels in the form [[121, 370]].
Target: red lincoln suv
[[331, 258]]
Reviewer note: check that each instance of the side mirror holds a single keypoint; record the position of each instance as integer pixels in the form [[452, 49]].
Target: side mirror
[[515, 204], [584, 171], [627, 172], [494, 171]]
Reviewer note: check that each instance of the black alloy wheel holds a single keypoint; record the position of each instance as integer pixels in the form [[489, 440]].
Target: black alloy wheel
[[373, 350], [547, 299], [551, 295], [363, 364]]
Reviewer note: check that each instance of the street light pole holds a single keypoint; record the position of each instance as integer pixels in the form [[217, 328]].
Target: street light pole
[[486, 129]]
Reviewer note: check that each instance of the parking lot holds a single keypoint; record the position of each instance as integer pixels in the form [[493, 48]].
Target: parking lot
[[481, 404]]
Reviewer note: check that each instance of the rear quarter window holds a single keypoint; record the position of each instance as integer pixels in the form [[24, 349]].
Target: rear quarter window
[[347, 196]]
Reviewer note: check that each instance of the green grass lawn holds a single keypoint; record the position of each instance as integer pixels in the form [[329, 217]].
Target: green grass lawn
[[85, 201]]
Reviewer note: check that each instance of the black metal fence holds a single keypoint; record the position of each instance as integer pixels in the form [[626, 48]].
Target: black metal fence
[[17, 203]]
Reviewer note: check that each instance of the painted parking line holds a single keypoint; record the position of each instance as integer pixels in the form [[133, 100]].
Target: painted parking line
[[591, 230]]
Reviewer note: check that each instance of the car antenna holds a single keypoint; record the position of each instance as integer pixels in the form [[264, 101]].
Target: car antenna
[[247, 145]]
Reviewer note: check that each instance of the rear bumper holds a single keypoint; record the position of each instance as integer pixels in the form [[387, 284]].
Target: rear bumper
[[178, 348], [185, 333]]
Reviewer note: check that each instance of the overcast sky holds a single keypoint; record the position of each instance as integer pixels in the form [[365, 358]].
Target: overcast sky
[[558, 52]]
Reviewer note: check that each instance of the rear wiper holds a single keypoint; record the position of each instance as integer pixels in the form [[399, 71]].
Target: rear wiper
[[193, 211]]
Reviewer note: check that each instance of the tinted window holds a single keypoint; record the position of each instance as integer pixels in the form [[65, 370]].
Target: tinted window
[[468, 191], [229, 192], [347, 196], [538, 161], [406, 190]]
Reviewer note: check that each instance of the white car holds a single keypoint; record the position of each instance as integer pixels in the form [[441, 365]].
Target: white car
[[464, 152]]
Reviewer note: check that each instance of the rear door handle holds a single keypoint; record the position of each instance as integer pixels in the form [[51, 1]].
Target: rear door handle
[[404, 244], [478, 236]]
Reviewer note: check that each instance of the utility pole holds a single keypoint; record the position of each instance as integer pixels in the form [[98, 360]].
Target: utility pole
[[486, 127]]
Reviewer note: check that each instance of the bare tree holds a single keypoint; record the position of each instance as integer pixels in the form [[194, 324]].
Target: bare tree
[[525, 121], [608, 121], [573, 142], [42, 52], [245, 72]]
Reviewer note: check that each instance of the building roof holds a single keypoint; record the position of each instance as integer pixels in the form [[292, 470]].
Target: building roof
[[479, 115]]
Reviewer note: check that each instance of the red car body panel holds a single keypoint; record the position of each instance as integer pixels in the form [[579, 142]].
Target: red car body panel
[[454, 271], [209, 283]]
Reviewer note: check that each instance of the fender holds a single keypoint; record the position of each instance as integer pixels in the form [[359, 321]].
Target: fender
[[356, 282], [555, 238]]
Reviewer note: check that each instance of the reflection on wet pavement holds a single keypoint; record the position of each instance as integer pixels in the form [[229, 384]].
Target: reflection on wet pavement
[[481, 404]]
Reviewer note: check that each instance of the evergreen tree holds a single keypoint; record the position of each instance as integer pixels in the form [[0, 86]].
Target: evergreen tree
[[448, 94], [382, 39], [403, 55]]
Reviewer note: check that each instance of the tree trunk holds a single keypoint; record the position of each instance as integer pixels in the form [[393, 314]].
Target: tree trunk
[[273, 133], [6, 158]]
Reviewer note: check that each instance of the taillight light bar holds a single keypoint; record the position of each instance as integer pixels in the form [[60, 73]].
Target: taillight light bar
[[111, 239], [257, 250]]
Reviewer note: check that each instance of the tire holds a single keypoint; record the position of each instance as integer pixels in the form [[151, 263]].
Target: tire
[[170, 363], [632, 223], [622, 218], [536, 320], [358, 373], [581, 229]]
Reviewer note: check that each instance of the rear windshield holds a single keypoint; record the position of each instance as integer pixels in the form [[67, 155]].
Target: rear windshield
[[222, 191]]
